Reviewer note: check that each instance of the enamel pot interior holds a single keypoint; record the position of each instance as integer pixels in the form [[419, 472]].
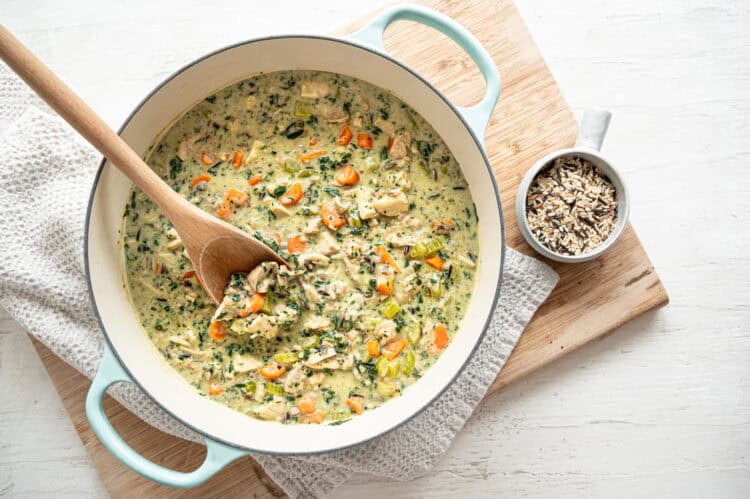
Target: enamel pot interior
[[105, 268]]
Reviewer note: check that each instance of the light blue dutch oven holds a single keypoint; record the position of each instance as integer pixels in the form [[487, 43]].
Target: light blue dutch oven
[[129, 355]]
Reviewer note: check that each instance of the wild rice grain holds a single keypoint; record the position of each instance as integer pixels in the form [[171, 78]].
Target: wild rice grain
[[571, 207]]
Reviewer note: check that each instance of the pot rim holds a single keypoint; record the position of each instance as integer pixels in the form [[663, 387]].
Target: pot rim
[[477, 142]]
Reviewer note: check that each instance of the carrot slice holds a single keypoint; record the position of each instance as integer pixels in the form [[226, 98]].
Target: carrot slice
[[273, 370], [296, 244], [385, 287], [204, 177], [306, 404], [347, 176], [206, 159], [237, 158], [217, 331], [256, 303], [316, 417], [215, 389], [236, 197], [385, 257], [309, 156], [373, 347], [233, 197], [441, 336], [364, 141], [394, 347], [346, 136], [435, 261], [356, 404], [330, 217], [255, 179], [187, 275], [292, 195]]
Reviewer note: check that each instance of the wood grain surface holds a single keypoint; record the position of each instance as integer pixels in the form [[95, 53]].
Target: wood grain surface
[[531, 119]]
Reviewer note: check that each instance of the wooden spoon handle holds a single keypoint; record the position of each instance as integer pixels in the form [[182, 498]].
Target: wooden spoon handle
[[73, 110]]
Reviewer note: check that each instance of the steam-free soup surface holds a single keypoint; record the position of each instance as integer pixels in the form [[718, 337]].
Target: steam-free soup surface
[[369, 208]]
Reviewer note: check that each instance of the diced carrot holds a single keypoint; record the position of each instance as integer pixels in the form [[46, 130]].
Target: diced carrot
[[236, 197], [315, 417], [292, 195], [394, 347], [224, 211], [309, 156], [243, 312], [385, 257], [330, 217], [443, 224], [346, 136], [385, 287], [373, 347], [306, 404], [215, 389], [233, 197], [273, 370], [206, 159], [256, 303], [217, 331], [255, 179], [356, 404], [237, 158], [364, 141], [347, 176], [435, 262], [204, 177], [188, 275], [296, 244], [441, 336]]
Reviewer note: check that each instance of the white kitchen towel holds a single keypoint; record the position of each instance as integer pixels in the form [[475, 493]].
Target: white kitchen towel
[[47, 173]]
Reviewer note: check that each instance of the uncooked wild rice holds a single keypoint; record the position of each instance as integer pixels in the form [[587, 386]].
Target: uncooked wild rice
[[571, 206]]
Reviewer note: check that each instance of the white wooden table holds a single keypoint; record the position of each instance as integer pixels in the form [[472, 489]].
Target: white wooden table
[[661, 408]]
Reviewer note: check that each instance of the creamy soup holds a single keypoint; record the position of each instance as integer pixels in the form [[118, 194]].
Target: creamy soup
[[366, 203]]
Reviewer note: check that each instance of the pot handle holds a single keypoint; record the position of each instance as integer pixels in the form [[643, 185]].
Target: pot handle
[[218, 455], [478, 115]]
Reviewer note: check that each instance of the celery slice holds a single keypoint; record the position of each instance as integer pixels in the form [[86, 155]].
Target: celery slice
[[286, 357], [303, 109], [409, 361], [275, 389], [390, 308]]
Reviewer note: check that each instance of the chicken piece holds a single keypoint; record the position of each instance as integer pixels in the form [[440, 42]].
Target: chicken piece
[[386, 126], [254, 151], [401, 181], [275, 207], [345, 362], [312, 227], [340, 205], [392, 204], [262, 278], [400, 146], [265, 326], [271, 411], [300, 380], [400, 237], [311, 293], [385, 330], [318, 323], [306, 259], [366, 210], [243, 363], [314, 89], [316, 357], [327, 244], [467, 262], [285, 316]]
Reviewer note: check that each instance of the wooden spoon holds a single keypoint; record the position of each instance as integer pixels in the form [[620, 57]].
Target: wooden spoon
[[215, 248]]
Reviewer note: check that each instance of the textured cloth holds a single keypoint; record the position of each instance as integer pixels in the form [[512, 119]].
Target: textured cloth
[[47, 174]]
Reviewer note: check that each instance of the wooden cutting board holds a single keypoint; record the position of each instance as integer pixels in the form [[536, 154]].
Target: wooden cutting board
[[530, 120]]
